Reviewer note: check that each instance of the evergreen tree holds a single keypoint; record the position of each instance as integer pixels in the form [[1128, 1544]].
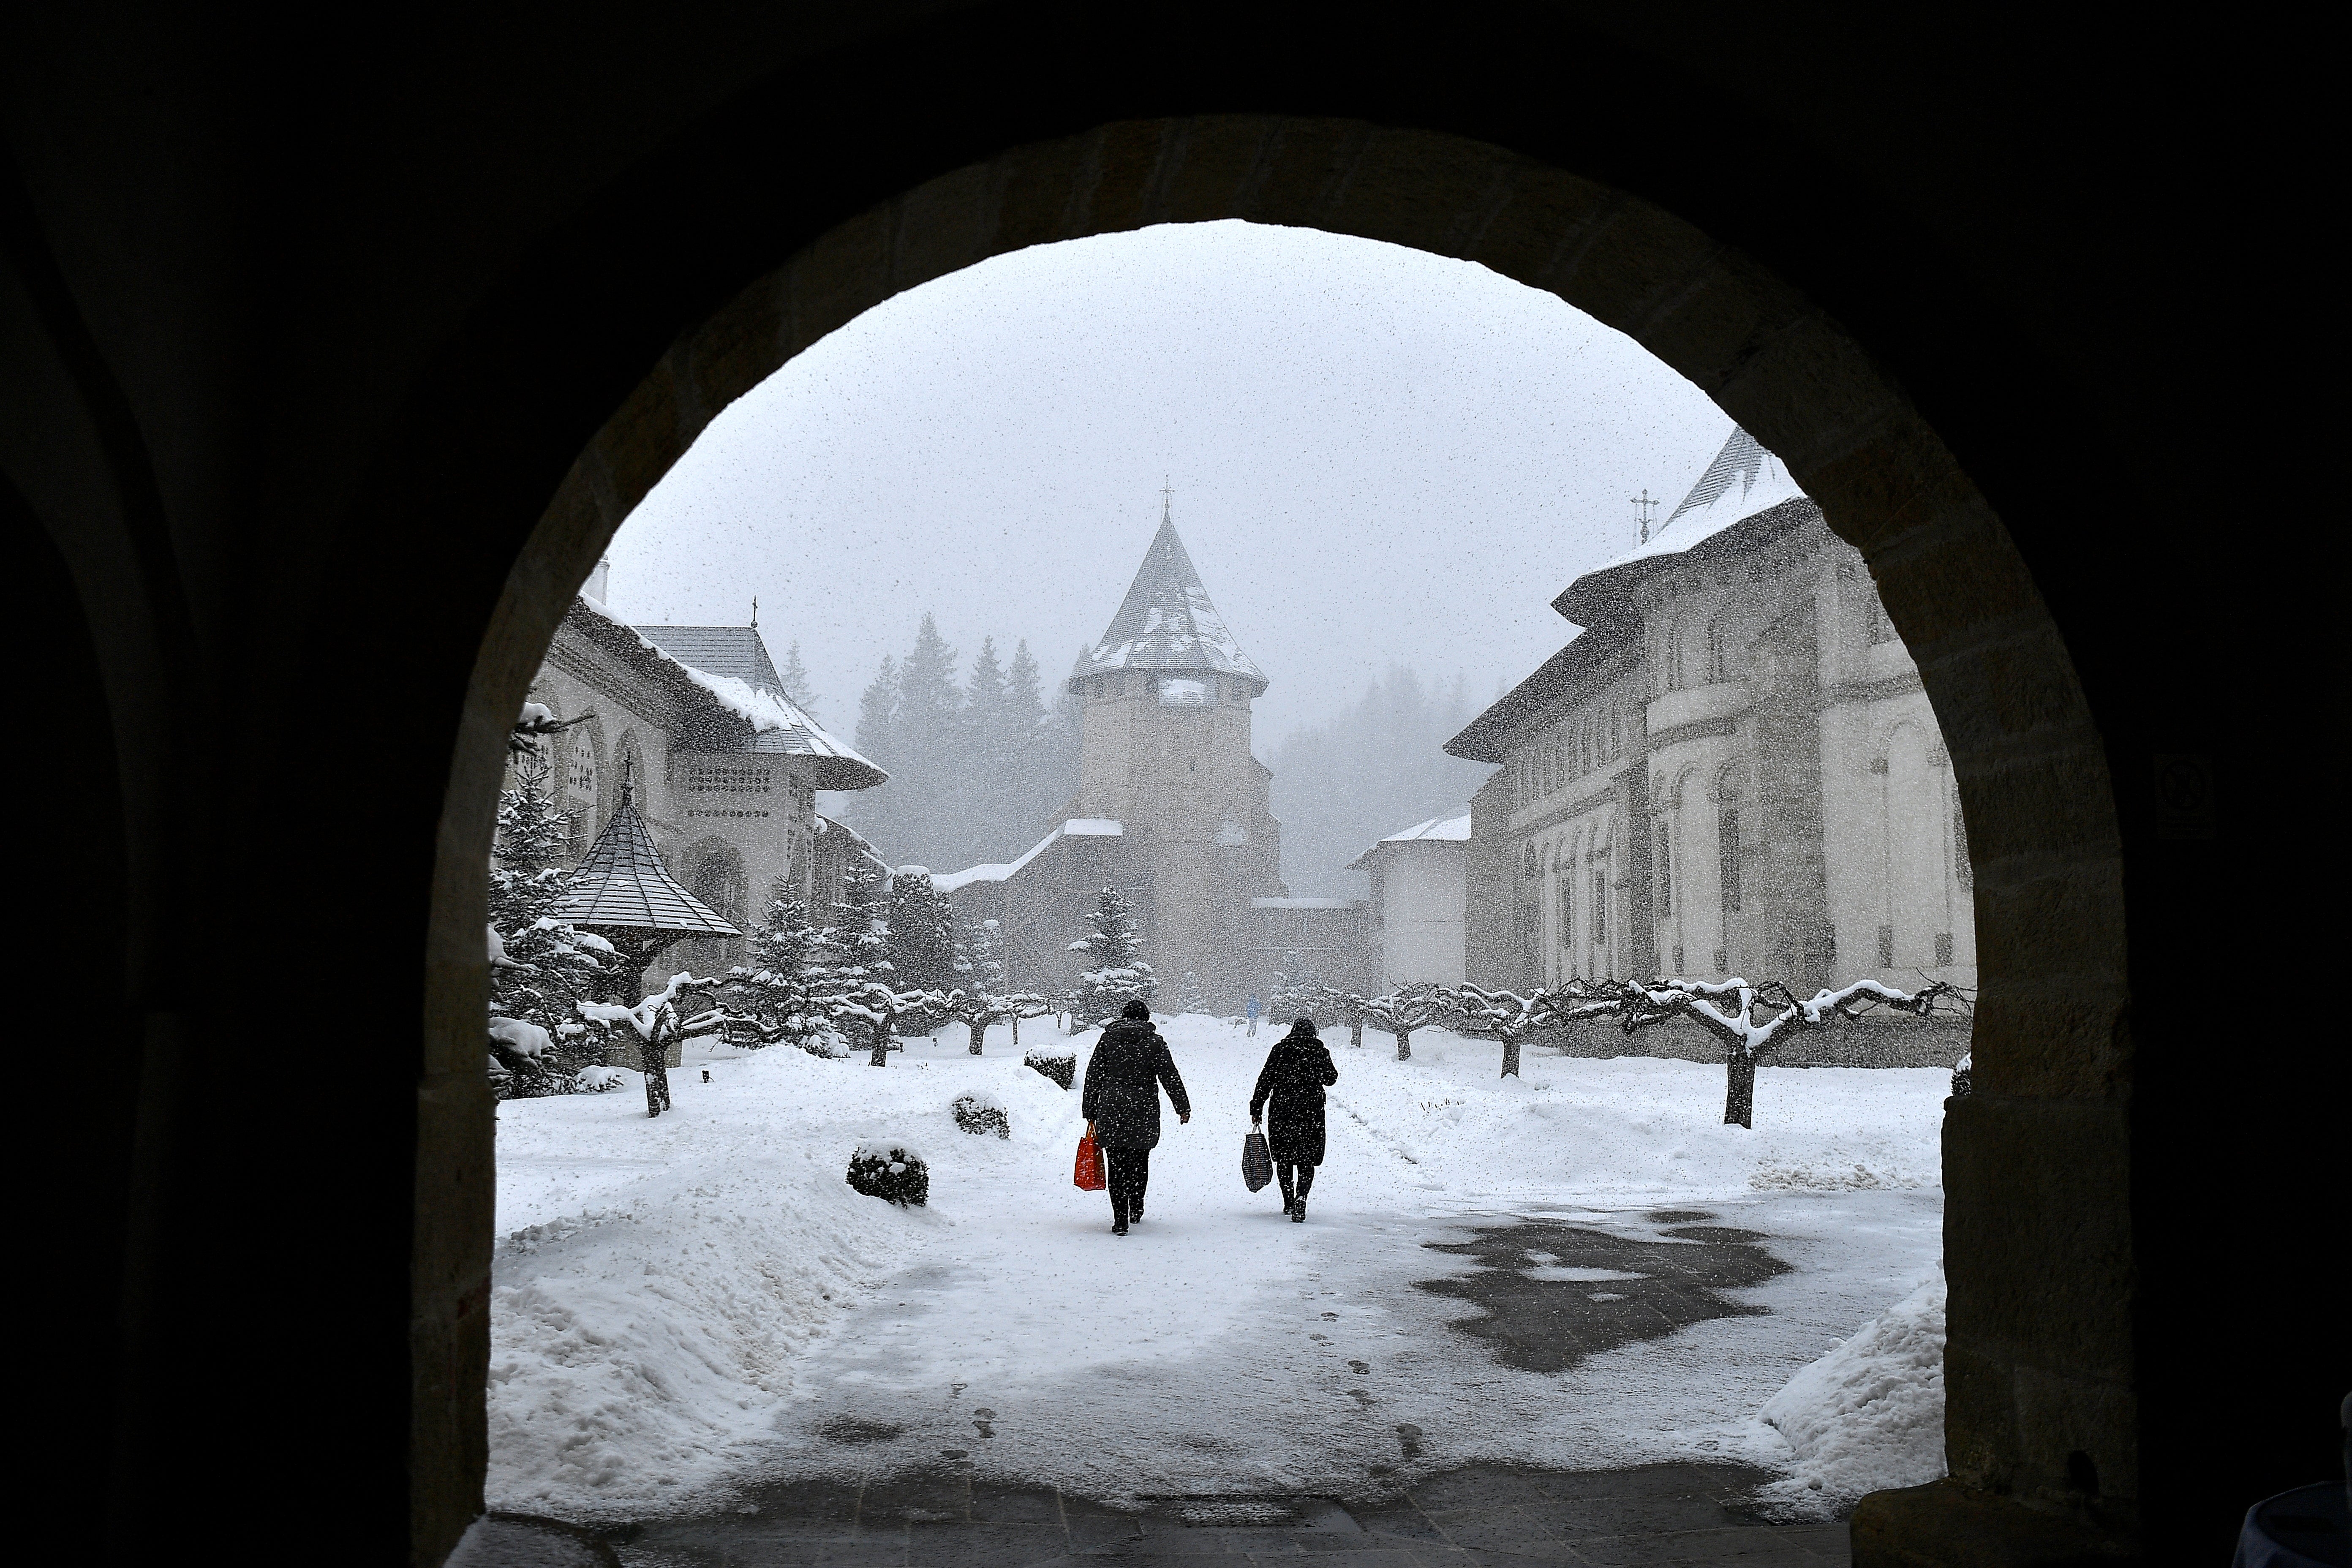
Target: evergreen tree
[[877, 716], [922, 933], [779, 988], [1115, 973], [547, 966], [797, 685]]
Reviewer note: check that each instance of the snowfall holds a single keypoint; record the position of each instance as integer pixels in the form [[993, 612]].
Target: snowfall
[[694, 1304]]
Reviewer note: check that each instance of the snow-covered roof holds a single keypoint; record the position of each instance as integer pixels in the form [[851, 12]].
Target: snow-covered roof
[[1437, 831], [623, 885], [737, 652], [1743, 481], [751, 713], [1743, 498], [998, 871], [1305, 904], [1166, 623]]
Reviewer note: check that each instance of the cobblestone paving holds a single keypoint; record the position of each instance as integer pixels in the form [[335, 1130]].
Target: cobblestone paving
[[1655, 1514]]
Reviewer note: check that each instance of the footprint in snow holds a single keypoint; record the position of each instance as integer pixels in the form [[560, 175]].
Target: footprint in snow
[[1360, 1367], [981, 1418]]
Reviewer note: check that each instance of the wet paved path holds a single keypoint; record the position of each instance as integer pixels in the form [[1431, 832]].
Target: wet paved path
[[1651, 1514], [1548, 1294]]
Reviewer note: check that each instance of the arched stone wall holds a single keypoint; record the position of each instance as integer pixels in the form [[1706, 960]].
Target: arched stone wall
[[2037, 1231]]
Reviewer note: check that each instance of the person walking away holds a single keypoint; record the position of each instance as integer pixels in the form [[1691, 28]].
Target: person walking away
[[1122, 1102], [1290, 1088], [1252, 1011]]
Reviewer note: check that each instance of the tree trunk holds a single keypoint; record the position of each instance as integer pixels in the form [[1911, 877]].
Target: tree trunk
[[1016, 1031], [1355, 1034], [881, 1057], [1404, 1045], [1510, 1055], [1739, 1091], [979, 1032]]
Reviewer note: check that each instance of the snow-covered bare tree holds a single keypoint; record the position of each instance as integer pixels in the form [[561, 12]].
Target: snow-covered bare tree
[[656, 1022], [1344, 1007], [1750, 1021], [1508, 1016], [1115, 973], [1407, 1008]]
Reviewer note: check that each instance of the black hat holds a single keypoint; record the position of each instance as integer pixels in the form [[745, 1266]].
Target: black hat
[[1135, 1010], [1302, 1025]]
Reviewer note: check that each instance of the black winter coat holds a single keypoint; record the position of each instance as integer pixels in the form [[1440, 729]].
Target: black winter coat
[[1292, 1079], [1121, 1096]]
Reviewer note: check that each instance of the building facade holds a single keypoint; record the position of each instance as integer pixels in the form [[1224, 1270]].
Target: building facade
[[1172, 808], [721, 765], [1419, 903], [1731, 770]]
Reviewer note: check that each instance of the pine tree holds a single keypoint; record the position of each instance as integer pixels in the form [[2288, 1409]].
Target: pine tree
[[779, 988], [878, 714], [548, 966], [1116, 973], [922, 933], [797, 685]]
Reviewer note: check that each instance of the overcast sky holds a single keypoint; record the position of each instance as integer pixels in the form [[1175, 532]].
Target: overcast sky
[[1377, 455]]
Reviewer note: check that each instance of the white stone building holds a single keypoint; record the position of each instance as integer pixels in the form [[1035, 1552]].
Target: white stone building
[[1419, 901], [724, 767], [1731, 769]]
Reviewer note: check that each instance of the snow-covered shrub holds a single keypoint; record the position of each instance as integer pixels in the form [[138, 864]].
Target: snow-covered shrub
[[979, 1113], [1061, 1068], [596, 1080], [891, 1171]]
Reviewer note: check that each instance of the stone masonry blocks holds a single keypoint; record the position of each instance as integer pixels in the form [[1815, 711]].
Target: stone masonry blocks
[[1217, 164]]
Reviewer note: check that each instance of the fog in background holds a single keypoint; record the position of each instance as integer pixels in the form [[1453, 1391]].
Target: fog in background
[[1379, 458]]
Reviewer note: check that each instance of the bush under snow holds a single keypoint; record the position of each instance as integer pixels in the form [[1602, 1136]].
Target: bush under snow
[[1868, 1416]]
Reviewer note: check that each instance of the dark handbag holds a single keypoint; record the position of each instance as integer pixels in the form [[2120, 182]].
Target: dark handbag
[[1257, 1165]]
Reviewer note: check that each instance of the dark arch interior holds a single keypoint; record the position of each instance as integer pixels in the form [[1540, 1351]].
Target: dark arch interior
[[298, 357]]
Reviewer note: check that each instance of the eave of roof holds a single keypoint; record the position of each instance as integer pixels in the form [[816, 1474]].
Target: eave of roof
[[717, 713]]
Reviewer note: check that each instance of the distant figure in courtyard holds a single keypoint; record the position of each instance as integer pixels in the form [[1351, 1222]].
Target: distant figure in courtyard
[[1121, 1101], [1252, 1011], [1291, 1085]]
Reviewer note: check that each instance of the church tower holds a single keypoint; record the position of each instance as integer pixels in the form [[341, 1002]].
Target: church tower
[[1164, 725]]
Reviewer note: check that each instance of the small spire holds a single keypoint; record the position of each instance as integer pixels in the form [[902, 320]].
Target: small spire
[[1166, 498], [755, 609]]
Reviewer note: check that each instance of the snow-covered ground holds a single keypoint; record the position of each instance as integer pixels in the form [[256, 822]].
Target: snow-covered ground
[[686, 1303]]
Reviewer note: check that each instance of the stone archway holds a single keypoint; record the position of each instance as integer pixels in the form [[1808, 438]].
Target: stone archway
[[2040, 1364]]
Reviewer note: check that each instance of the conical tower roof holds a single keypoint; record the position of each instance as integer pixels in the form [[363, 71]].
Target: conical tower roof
[[1166, 623], [622, 885]]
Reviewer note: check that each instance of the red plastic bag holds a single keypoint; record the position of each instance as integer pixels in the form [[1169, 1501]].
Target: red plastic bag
[[1089, 1176]]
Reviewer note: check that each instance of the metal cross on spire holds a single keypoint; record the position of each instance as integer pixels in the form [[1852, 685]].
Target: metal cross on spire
[[1166, 498], [1645, 506]]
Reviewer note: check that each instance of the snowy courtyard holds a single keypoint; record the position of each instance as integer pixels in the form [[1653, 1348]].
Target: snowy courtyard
[[699, 1302]]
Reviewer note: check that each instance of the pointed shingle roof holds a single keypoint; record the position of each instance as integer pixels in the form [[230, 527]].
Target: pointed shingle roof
[[1167, 623], [622, 885], [740, 653]]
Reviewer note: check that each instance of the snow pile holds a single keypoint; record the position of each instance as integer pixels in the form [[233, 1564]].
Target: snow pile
[[658, 1281], [1868, 1416]]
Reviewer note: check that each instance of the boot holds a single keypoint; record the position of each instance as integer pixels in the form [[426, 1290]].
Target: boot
[[1298, 1212]]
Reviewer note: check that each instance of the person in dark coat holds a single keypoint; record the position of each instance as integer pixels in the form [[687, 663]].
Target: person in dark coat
[[1121, 1101], [1291, 1083]]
